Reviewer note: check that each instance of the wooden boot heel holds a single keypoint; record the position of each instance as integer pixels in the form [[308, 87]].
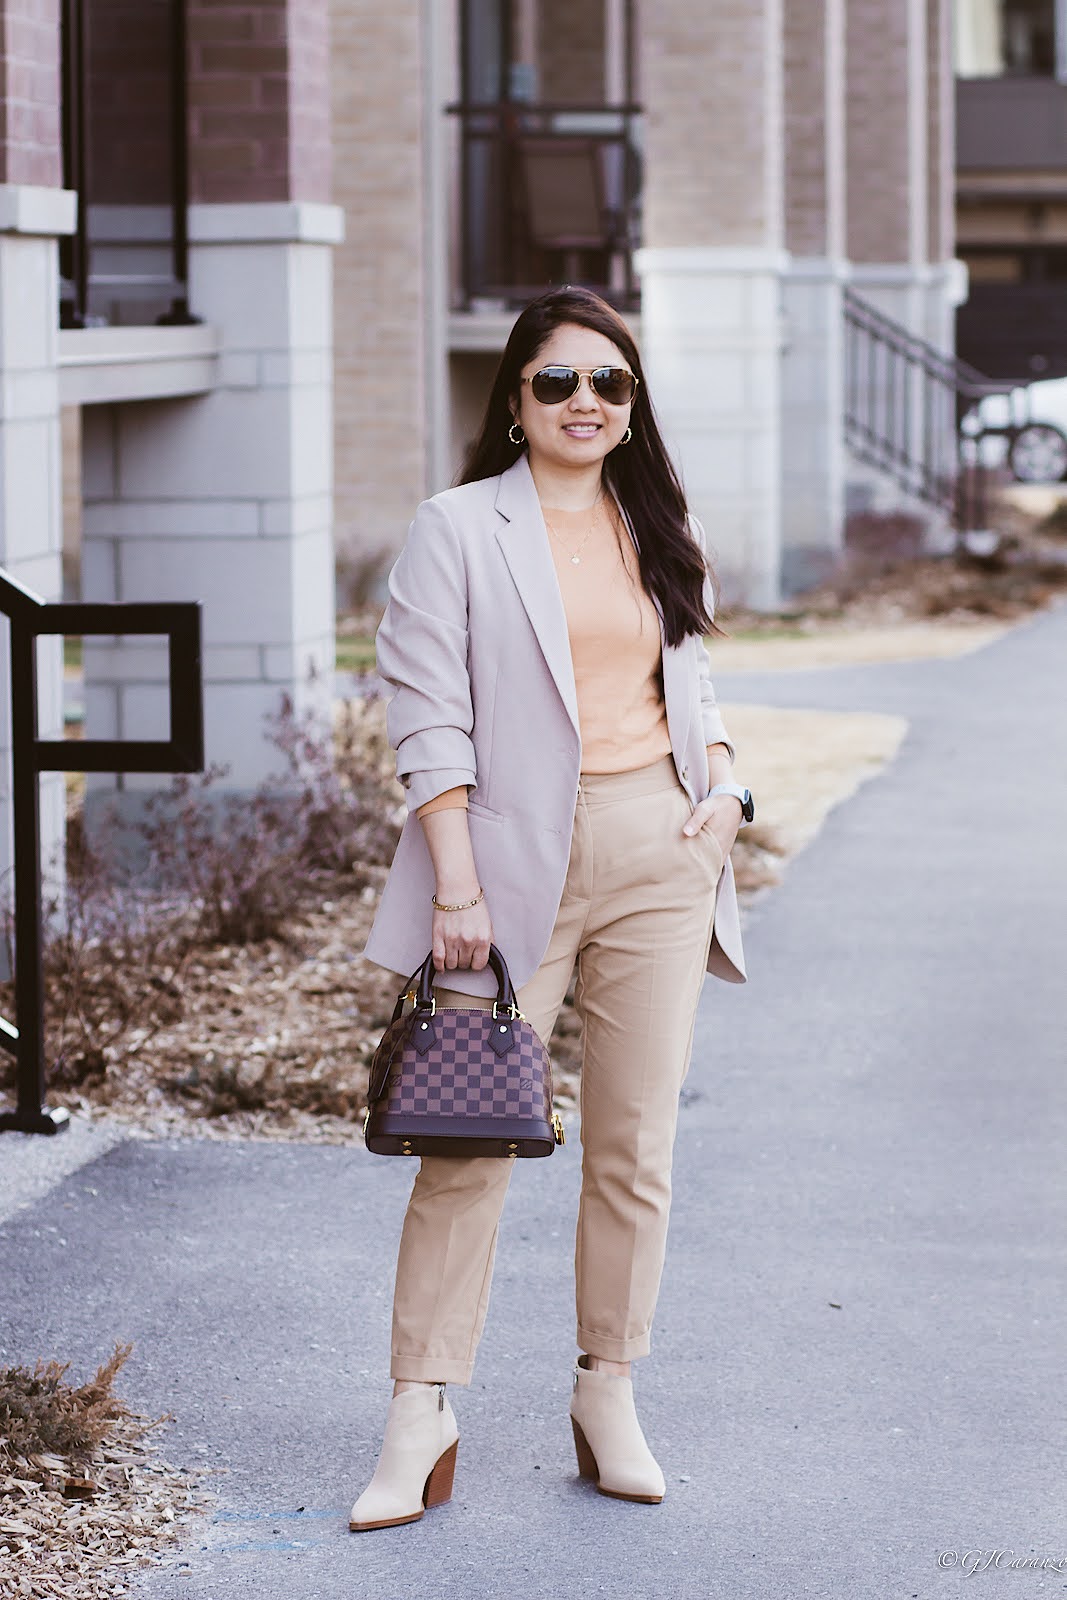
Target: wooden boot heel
[[587, 1467], [438, 1490]]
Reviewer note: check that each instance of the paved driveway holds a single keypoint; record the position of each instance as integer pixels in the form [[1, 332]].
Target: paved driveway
[[858, 1359]]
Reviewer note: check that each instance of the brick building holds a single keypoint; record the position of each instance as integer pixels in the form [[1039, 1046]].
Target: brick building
[[722, 171], [166, 246], [258, 259]]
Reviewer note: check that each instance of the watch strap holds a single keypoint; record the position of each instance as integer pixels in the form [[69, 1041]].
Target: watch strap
[[739, 792]]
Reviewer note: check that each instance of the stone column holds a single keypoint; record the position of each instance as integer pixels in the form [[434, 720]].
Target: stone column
[[387, 413], [901, 161], [947, 279], [712, 265], [900, 194], [227, 497], [34, 212], [813, 448], [887, 145]]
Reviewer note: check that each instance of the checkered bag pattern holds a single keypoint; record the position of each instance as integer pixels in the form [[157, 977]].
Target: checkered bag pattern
[[460, 1076]]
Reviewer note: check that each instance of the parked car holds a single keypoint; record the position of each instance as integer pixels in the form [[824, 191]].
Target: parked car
[[1024, 429]]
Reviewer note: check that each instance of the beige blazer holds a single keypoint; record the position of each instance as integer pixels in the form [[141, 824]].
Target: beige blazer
[[475, 646]]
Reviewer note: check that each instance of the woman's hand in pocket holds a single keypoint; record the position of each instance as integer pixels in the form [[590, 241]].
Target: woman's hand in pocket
[[721, 815], [462, 938]]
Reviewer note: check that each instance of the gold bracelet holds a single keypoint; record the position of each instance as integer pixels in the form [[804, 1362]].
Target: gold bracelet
[[464, 907]]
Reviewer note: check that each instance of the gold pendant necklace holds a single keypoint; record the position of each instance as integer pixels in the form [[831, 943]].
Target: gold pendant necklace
[[575, 556]]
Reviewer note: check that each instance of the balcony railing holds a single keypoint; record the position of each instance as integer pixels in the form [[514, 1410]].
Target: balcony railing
[[550, 194], [125, 153]]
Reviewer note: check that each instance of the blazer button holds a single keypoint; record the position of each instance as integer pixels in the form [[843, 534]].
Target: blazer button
[[685, 772]]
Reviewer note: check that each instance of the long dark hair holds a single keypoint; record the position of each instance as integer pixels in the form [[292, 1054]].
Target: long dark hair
[[640, 474]]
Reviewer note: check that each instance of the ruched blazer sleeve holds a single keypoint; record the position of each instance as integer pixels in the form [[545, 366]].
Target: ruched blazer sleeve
[[422, 655]]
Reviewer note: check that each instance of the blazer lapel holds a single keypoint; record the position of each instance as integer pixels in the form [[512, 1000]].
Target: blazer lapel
[[523, 538]]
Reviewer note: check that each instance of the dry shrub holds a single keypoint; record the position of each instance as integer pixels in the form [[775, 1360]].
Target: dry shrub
[[113, 961], [884, 578], [1054, 526], [756, 853], [83, 1497], [40, 1415], [212, 871], [361, 576], [249, 863]]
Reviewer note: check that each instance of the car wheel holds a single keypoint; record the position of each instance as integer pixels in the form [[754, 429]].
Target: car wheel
[[1038, 454]]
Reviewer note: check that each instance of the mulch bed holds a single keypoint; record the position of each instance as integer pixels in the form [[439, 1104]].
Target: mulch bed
[[274, 1040], [884, 577], [76, 1519]]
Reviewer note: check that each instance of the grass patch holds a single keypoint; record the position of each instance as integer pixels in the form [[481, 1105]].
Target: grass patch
[[355, 653]]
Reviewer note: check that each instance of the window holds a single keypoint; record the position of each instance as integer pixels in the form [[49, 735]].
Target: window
[[1011, 38], [124, 152], [549, 149]]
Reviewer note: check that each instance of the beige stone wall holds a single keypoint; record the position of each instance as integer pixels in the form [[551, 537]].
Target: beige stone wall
[[710, 80], [877, 98], [378, 277], [814, 127]]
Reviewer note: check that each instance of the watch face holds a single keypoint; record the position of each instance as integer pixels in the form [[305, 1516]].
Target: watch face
[[748, 810]]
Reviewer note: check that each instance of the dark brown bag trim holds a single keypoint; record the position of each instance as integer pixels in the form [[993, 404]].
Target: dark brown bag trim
[[418, 1145]]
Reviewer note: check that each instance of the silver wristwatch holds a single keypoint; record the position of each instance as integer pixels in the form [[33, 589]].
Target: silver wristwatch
[[748, 810]]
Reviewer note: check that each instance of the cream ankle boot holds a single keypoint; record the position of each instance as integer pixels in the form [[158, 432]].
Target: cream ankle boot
[[607, 1436], [416, 1464]]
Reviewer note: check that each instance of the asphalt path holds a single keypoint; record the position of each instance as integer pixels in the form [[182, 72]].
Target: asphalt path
[[856, 1386]]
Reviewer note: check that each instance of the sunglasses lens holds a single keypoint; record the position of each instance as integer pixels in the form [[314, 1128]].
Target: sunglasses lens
[[553, 384], [615, 385]]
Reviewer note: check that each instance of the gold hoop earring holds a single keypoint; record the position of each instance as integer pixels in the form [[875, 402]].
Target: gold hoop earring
[[627, 436], [511, 434]]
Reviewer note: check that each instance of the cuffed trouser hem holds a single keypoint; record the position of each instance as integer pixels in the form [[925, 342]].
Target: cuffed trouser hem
[[598, 1344], [431, 1369]]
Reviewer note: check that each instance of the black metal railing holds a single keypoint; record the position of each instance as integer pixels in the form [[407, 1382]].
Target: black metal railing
[[905, 402], [125, 153], [30, 616], [550, 193]]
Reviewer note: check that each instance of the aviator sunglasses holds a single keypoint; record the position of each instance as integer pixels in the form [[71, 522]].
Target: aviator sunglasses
[[616, 385]]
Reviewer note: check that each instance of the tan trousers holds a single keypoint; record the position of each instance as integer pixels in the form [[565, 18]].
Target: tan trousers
[[636, 912]]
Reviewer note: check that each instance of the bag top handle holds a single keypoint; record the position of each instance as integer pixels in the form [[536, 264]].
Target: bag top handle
[[423, 978]]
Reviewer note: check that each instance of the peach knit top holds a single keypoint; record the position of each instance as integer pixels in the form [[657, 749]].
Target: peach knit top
[[615, 645]]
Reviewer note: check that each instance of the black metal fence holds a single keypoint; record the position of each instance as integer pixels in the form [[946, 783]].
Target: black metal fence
[[30, 617], [905, 401], [125, 153]]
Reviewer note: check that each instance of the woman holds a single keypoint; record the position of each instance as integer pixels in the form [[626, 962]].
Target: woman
[[569, 787]]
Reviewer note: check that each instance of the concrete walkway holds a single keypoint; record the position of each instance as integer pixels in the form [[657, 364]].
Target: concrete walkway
[[858, 1359]]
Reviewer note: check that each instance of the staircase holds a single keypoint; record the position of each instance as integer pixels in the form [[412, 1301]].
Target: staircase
[[905, 401]]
